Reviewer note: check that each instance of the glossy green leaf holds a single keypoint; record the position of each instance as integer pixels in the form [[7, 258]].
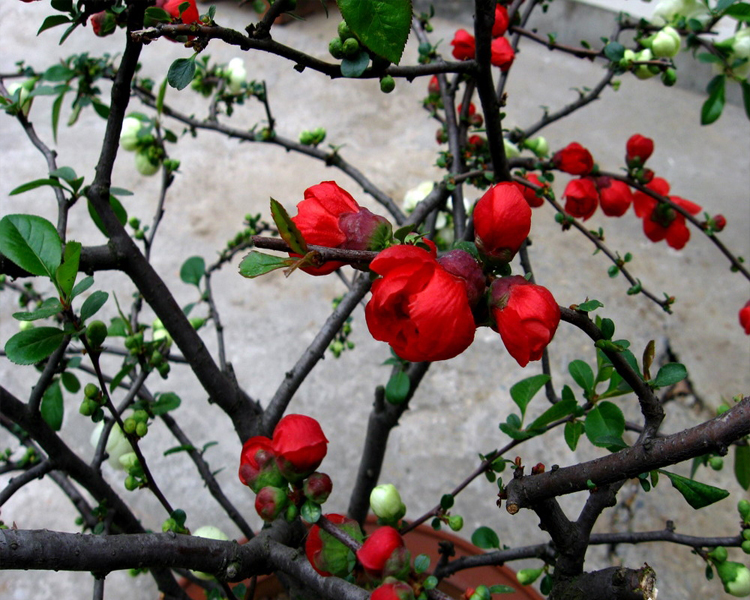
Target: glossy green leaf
[[92, 304], [48, 308], [739, 11], [582, 374], [32, 243], [485, 538], [287, 229], [51, 407], [523, 391], [181, 72], [82, 286], [64, 173], [164, 403], [742, 465], [68, 271], [590, 305], [397, 388], [70, 381], [614, 51], [355, 66], [714, 104], [256, 264], [573, 431], [554, 413], [192, 270], [382, 25], [446, 501], [697, 494], [53, 21], [32, 345], [32, 185], [670, 374], [605, 425]]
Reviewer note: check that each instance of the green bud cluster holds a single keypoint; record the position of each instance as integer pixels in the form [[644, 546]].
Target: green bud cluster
[[137, 424], [135, 478], [93, 400], [312, 137]]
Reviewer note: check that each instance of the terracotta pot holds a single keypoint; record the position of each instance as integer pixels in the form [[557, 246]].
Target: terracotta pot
[[423, 540]]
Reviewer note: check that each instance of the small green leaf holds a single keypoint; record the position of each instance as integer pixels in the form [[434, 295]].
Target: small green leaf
[[311, 511], [401, 233], [32, 185], [740, 11], [354, 67], [48, 308], [70, 382], [30, 346], [421, 563], [82, 286], [160, 97], [256, 264], [64, 173], [53, 21], [32, 243], [485, 538], [605, 425], [181, 72], [670, 374], [573, 431], [607, 328], [523, 391], [590, 305], [714, 104], [192, 270], [553, 413], [287, 229], [156, 15], [502, 589], [697, 494], [164, 403], [742, 466], [68, 271], [582, 374], [176, 449], [381, 25], [51, 407], [723, 4], [446, 501], [92, 304], [397, 388], [614, 51]]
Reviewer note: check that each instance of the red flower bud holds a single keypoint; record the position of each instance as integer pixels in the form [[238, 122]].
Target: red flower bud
[[300, 446], [472, 109], [317, 487], [417, 307], [501, 21], [745, 317], [258, 464], [434, 86], [502, 54], [573, 159], [103, 23], [526, 316], [614, 196], [529, 194], [378, 548], [326, 554], [270, 503], [364, 230], [189, 15], [394, 590], [476, 140], [638, 150], [720, 222], [464, 266], [502, 221], [581, 198], [464, 45]]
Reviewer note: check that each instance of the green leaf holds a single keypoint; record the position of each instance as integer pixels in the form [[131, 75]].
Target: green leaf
[[287, 229], [723, 4], [64, 173], [553, 413], [51, 407], [48, 308], [68, 271], [582, 374], [614, 51], [742, 466], [669, 374], [502, 589], [605, 425], [164, 403], [160, 97], [740, 11], [697, 494], [117, 208], [92, 304], [746, 97], [192, 270], [355, 66], [181, 72], [714, 104], [421, 563], [573, 431], [256, 264], [53, 21], [608, 328], [30, 346], [590, 306], [446, 501], [56, 108], [311, 511], [116, 191], [156, 15], [70, 382], [485, 538], [397, 388], [32, 185], [82, 286], [381, 25], [176, 449], [523, 391], [32, 243]]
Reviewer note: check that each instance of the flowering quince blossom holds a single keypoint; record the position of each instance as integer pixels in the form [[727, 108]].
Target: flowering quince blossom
[[502, 221], [330, 217], [258, 464], [501, 21], [529, 194], [418, 307], [525, 314], [573, 159], [745, 317], [581, 198], [643, 204], [614, 196], [464, 45], [638, 150], [299, 445], [660, 220], [189, 15], [502, 54], [326, 554], [464, 266], [378, 548], [393, 590]]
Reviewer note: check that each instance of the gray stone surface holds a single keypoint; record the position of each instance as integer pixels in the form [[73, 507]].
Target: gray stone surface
[[270, 320]]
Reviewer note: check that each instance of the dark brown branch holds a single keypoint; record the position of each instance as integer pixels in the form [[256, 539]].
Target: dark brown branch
[[613, 583]]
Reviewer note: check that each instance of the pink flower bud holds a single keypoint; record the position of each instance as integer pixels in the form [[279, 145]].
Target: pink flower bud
[[365, 230], [326, 554], [318, 487], [300, 446], [502, 221], [258, 465], [573, 159], [581, 198], [270, 503], [464, 266], [378, 548]]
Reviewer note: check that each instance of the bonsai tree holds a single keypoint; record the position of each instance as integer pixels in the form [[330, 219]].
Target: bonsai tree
[[100, 330]]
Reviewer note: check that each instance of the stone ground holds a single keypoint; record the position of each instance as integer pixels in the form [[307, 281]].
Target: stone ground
[[456, 412]]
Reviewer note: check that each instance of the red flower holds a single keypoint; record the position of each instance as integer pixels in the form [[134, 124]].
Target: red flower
[[329, 216], [258, 464], [664, 222], [103, 23], [581, 198], [326, 554], [393, 590], [189, 15], [471, 111], [417, 307], [529, 194], [719, 223], [638, 150], [464, 45], [614, 196], [745, 317], [526, 316], [502, 221], [643, 204], [502, 54], [501, 21], [300, 446], [378, 548], [463, 266], [574, 159], [434, 86]]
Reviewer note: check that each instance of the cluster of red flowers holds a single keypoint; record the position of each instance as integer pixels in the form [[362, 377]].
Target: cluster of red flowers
[[502, 54], [269, 465]]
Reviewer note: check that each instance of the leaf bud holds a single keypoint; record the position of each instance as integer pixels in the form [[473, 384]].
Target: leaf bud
[[336, 48], [718, 554], [344, 32], [350, 48], [96, 333]]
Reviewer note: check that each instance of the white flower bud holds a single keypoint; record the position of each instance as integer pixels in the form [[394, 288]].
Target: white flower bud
[[117, 444], [386, 503], [236, 75], [666, 43], [129, 133]]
